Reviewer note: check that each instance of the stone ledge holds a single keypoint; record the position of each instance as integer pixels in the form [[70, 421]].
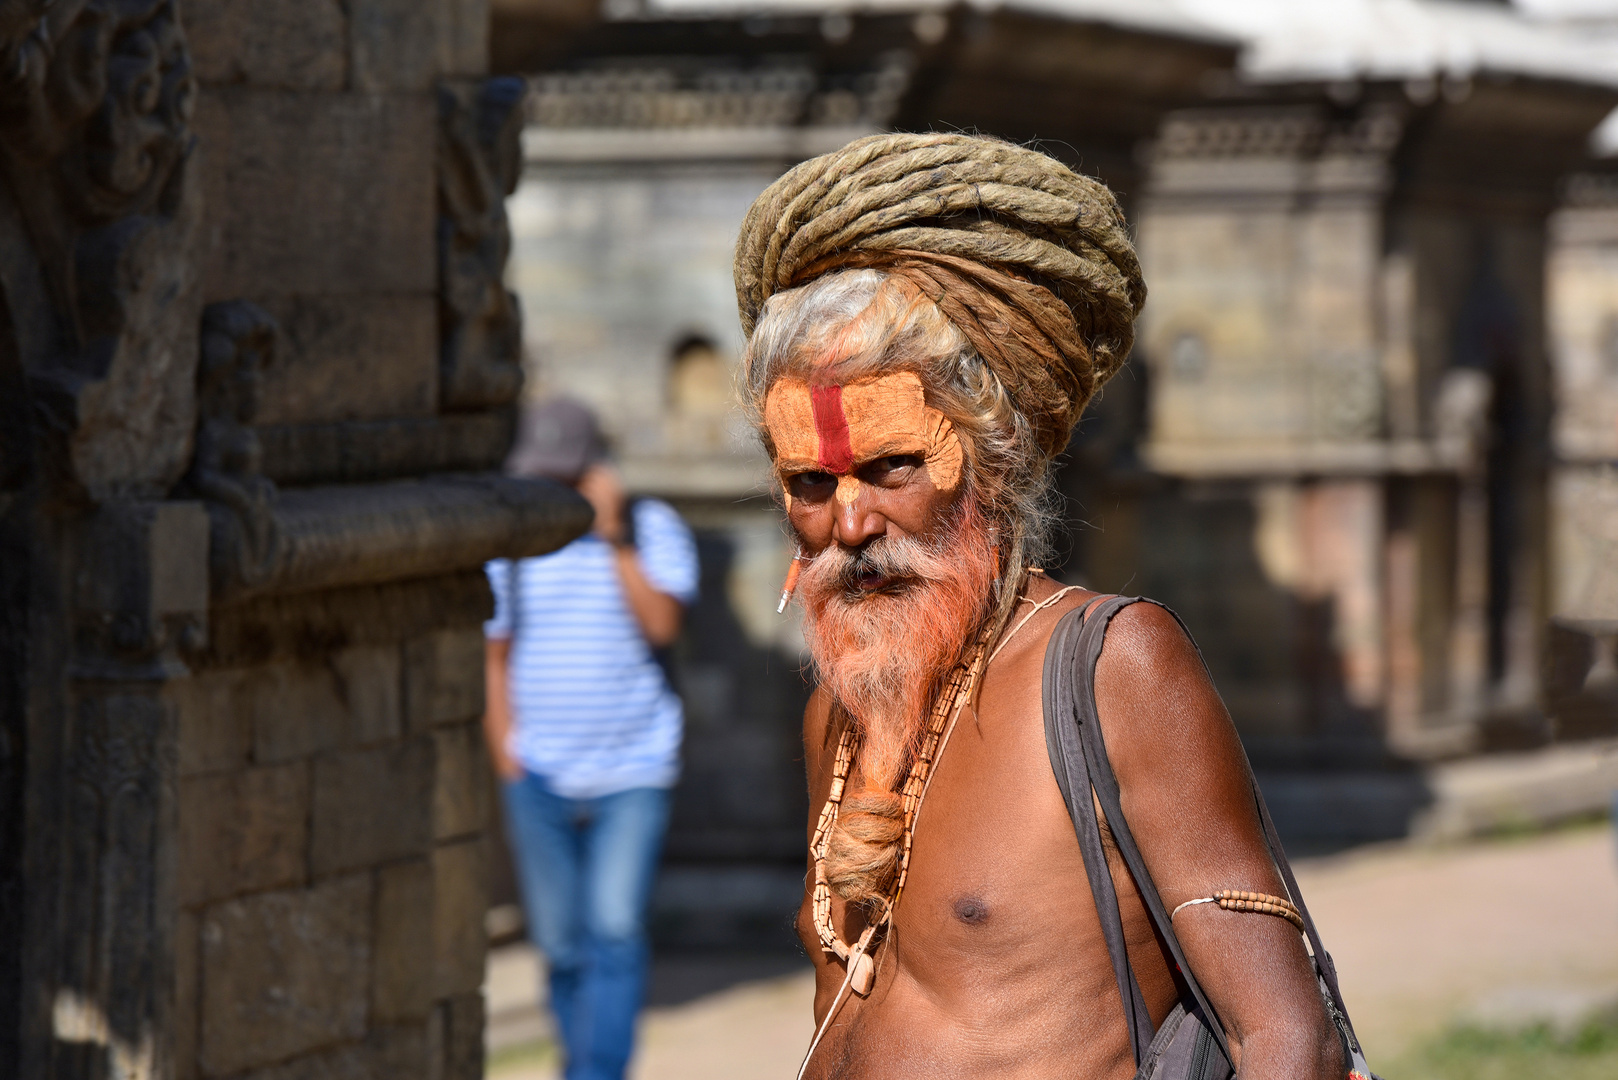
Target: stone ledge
[[329, 537], [1510, 792], [360, 450], [1447, 801]]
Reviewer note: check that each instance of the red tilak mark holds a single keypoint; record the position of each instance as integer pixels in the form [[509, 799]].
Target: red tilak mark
[[836, 453]]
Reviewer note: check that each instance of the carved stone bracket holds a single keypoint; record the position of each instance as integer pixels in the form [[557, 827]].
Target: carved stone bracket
[[362, 534], [95, 234], [264, 540], [479, 163]]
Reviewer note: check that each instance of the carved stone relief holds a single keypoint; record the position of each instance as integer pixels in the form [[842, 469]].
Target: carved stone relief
[[95, 232], [238, 342], [479, 163]]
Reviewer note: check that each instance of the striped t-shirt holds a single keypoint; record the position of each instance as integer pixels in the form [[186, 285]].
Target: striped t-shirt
[[592, 713]]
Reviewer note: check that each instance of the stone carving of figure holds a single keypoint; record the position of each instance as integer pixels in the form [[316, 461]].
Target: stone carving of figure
[[479, 162], [238, 341], [96, 98], [699, 399]]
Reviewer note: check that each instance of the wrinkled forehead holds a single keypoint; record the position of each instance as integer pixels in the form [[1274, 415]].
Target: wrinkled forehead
[[835, 426]]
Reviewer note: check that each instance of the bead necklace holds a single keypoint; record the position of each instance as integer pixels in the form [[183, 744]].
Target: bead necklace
[[957, 689]]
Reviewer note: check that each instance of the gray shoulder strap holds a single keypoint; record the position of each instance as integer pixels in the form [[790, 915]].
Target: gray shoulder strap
[[1079, 760], [1062, 742]]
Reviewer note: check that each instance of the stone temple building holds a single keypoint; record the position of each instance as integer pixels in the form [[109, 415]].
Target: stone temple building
[[257, 375], [1332, 451]]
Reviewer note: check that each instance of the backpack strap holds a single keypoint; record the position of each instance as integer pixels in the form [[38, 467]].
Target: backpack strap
[[1072, 658], [514, 596], [1068, 762]]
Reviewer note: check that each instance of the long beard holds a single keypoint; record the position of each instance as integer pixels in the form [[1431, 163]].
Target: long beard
[[884, 655]]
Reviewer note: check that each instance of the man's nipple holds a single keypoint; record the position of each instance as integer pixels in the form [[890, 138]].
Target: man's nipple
[[971, 910]]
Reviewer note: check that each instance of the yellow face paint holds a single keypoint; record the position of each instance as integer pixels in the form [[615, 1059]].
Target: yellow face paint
[[837, 429]]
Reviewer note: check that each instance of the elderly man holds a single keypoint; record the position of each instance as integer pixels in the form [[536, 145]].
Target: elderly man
[[927, 317]]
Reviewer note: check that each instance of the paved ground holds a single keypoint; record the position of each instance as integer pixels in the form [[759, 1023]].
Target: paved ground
[[1503, 932], [1499, 932]]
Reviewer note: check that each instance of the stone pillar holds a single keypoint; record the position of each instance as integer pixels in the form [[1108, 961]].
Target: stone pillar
[[1581, 674], [250, 266], [1261, 233]]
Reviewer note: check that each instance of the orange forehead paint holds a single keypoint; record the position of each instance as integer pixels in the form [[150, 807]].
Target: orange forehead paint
[[837, 428]]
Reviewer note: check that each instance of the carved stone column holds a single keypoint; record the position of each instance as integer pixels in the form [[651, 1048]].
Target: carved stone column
[[103, 582]]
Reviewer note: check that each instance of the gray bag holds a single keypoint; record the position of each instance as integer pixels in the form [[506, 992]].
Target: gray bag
[[1191, 1043]]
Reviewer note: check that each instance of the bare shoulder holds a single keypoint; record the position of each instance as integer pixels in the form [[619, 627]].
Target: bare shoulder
[[1146, 650], [1168, 734], [1151, 682]]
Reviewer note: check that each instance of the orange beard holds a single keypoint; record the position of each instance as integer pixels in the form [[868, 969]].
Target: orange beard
[[883, 656]]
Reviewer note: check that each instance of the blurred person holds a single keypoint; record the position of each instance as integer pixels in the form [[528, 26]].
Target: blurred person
[[584, 729], [927, 316]]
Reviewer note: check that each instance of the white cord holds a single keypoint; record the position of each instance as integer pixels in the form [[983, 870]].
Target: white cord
[[1188, 903], [1042, 605], [848, 978]]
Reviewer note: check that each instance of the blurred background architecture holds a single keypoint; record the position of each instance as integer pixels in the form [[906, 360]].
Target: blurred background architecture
[[1364, 445]]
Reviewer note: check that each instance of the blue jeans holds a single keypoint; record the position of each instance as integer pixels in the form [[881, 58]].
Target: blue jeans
[[586, 868]]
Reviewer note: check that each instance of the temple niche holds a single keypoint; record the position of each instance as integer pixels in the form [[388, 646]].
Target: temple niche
[[258, 371]]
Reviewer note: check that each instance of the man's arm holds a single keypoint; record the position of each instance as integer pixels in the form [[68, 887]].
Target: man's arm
[[1187, 795], [658, 613], [497, 705]]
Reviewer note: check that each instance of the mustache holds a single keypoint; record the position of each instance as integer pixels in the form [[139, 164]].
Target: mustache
[[902, 562]]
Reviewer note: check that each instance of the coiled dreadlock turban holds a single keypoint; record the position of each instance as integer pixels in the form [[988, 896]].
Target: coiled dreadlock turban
[[1030, 260]]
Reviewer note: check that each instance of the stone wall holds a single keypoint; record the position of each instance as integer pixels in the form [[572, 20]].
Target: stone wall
[[259, 367], [332, 799]]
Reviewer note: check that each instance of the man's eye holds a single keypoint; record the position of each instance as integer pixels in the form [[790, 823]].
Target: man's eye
[[890, 467], [812, 486]]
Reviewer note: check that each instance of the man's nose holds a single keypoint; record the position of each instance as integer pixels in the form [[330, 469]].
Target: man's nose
[[856, 522]]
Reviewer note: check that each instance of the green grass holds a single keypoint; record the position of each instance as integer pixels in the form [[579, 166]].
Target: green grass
[[1535, 1053], [528, 1055]]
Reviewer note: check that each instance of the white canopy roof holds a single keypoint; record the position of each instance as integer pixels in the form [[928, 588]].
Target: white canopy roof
[[1287, 40]]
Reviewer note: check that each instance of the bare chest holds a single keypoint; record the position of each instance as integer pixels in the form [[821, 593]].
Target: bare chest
[[995, 963]]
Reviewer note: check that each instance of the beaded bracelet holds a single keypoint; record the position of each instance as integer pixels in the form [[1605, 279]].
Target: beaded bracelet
[[1255, 902]]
